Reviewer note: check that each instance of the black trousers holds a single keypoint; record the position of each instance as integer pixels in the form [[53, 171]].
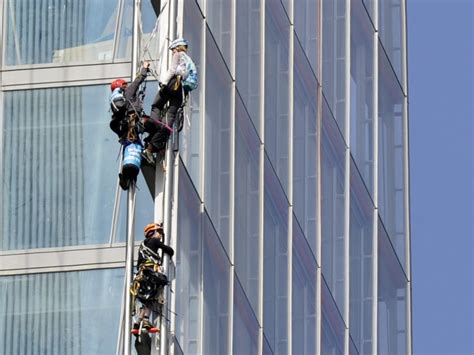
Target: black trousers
[[158, 127]]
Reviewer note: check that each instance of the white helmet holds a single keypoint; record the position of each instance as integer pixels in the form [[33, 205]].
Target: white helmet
[[178, 42]]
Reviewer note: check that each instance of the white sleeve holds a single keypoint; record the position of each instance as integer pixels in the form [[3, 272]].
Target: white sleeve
[[172, 70]]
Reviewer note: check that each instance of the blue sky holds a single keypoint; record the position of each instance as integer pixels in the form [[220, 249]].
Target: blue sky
[[441, 95]]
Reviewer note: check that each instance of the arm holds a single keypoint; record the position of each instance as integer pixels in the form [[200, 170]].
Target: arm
[[132, 89], [173, 68]]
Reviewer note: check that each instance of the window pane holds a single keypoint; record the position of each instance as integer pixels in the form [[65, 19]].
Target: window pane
[[216, 285], [275, 268], [306, 20], [53, 313], [332, 327], [277, 35], [217, 135], [59, 167], [247, 206], [188, 266], [248, 53], [362, 91], [361, 264], [245, 324], [219, 18], [392, 332], [332, 204], [391, 148], [390, 32], [190, 139], [305, 146], [334, 58], [62, 31], [303, 311]]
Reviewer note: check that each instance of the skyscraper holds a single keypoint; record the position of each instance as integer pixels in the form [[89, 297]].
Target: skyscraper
[[291, 205]]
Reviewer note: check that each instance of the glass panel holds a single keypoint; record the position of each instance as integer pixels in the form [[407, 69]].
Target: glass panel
[[334, 58], [277, 35], [332, 204], [370, 7], [392, 332], [62, 31], [361, 264], [390, 32], [266, 347], [305, 146], [124, 34], [217, 138], [247, 65], [190, 140], [306, 20], [245, 324], [216, 285], [391, 148], [275, 267], [53, 313], [247, 206], [188, 266], [303, 311], [58, 165], [219, 18], [332, 327], [353, 348], [362, 91]]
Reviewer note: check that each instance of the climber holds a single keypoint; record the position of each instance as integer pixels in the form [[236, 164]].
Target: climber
[[179, 80], [149, 281]]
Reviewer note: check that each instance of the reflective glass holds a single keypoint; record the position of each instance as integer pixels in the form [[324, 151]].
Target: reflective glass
[[305, 146], [392, 304], [188, 266], [306, 23], [334, 58], [332, 204], [361, 264], [332, 325], [277, 36], [247, 207], [362, 92], [275, 267], [247, 64], [391, 151], [219, 18], [246, 328], [390, 32], [303, 310], [54, 313], [217, 138], [59, 31], [370, 7], [59, 167], [125, 31], [216, 286], [190, 139]]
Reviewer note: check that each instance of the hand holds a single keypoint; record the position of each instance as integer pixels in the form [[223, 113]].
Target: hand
[[146, 64]]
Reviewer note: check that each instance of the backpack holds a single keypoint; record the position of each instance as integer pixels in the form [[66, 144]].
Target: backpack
[[191, 81], [117, 101]]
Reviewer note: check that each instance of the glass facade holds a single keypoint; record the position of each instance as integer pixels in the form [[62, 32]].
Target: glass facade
[[291, 206]]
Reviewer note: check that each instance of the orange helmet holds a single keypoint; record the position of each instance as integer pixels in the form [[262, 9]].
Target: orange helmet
[[151, 228], [117, 84]]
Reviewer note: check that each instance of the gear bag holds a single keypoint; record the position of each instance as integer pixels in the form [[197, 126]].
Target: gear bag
[[191, 81]]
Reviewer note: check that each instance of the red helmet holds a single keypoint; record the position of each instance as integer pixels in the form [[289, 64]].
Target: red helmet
[[117, 84]]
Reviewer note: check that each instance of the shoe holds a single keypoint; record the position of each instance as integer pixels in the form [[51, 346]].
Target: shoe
[[123, 182], [147, 156]]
